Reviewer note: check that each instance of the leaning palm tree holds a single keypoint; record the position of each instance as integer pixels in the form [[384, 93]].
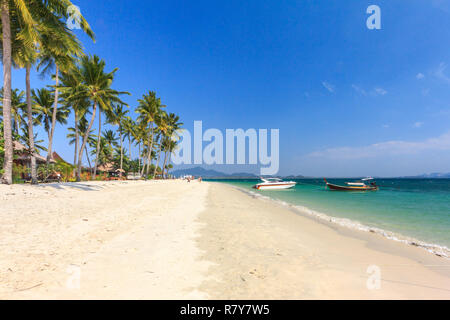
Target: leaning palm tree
[[59, 49], [21, 9], [25, 50], [94, 85], [61, 61], [25, 21]]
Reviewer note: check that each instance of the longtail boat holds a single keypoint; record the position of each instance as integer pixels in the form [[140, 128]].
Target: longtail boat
[[353, 186]]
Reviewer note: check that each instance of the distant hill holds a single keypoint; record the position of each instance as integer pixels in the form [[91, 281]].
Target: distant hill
[[205, 173]]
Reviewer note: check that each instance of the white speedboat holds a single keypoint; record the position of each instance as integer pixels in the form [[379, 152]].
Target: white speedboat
[[274, 184]]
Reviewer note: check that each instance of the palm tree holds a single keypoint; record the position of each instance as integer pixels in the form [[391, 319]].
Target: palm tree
[[25, 47], [25, 139], [139, 135], [174, 125], [94, 85], [30, 19], [116, 117], [110, 138], [17, 109], [21, 8], [171, 146], [80, 107], [75, 133], [128, 131], [149, 107], [163, 129], [59, 50], [101, 150], [43, 104]]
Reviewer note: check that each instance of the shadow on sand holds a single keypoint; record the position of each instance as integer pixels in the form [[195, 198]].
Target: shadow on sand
[[73, 185]]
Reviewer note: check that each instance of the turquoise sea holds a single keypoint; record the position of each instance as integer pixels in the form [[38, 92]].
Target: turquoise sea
[[416, 209]]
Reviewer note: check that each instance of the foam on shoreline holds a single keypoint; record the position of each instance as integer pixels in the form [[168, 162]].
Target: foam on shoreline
[[441, 251]]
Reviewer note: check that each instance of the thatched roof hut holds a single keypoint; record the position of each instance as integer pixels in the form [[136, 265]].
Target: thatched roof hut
[[106, 167], [23, 154]]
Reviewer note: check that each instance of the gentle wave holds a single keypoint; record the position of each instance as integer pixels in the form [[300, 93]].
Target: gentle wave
[[441, 251]]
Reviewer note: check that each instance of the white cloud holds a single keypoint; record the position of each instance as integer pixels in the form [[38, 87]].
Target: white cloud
[[384, 149], [380, 91], [386, 126], [425, 92], [420, 76], [418, 124], [328, 86], [440, 73]]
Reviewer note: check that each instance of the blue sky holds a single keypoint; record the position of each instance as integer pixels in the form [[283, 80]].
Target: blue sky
[[348, 101]]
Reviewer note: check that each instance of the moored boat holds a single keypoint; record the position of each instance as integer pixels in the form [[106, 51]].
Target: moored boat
[[353, 186], [274, 184]]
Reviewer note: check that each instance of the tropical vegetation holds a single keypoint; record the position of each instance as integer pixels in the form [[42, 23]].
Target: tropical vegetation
[[102, 128]]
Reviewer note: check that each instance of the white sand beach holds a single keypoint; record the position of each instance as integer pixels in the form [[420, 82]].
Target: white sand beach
[[179, 240]]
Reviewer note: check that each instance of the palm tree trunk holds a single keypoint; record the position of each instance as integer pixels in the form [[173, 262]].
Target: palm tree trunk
[[97, 152], [55, 109], [85, 138], [30, 126], [157, 161], [129, 145], [139, 157], [7, 134], [149, 156], [168, 164], [87, 157], [121, 152], [77, 138], [164, 165], [143, 160]]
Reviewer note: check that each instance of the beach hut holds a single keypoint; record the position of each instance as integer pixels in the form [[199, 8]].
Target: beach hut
[[24, 156], [23, 159], [112, 173]]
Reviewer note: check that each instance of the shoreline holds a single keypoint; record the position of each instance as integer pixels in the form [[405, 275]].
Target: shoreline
[[179, 240], [436, 249], [264, 250]]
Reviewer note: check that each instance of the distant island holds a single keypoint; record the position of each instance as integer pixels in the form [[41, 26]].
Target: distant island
[[213, 174], [435, 175]]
